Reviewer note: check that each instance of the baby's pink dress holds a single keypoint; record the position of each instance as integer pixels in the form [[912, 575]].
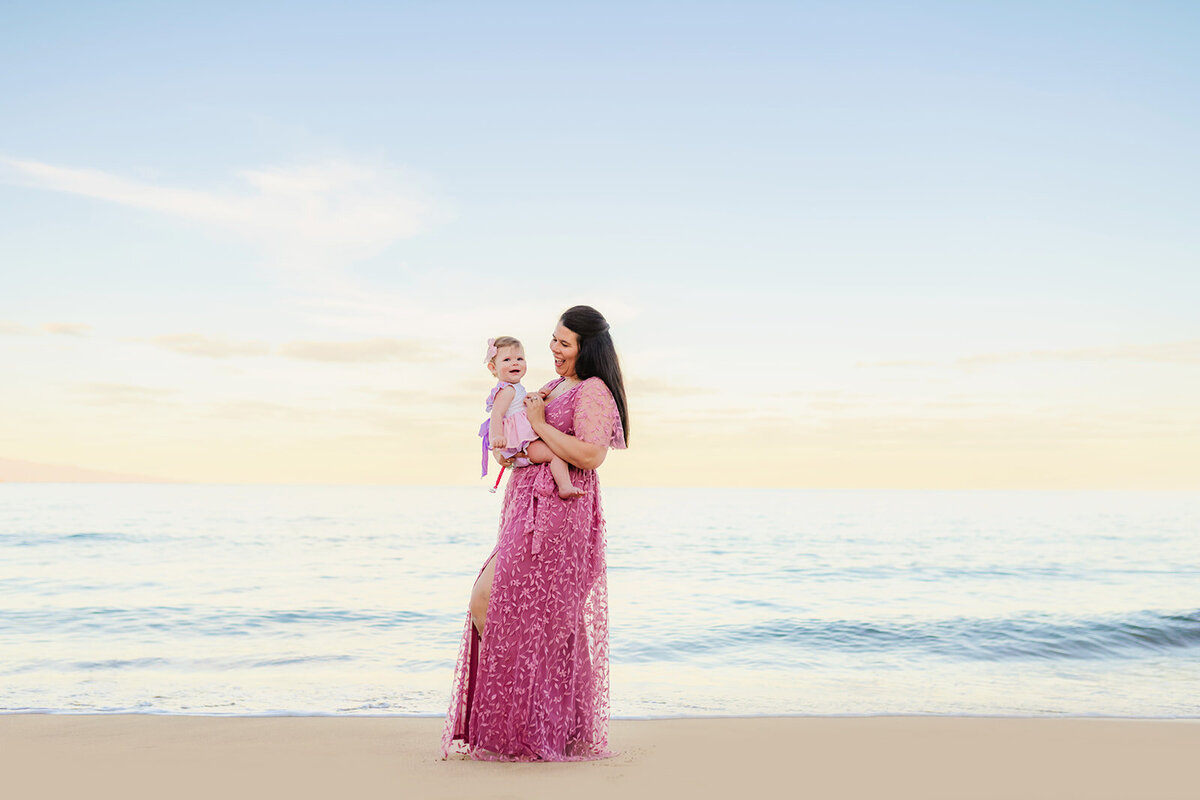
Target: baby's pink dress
[[518, 433], [535, 688]]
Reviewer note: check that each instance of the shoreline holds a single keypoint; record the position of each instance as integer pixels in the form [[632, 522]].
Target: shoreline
[[614, 718], [206, 756]]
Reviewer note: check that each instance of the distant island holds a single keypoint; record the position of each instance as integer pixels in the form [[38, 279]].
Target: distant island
[[15, 471]]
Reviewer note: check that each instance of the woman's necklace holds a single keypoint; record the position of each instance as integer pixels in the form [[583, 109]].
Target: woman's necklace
[[563, 387]]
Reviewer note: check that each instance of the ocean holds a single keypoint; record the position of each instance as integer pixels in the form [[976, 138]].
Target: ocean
[[277, 600]]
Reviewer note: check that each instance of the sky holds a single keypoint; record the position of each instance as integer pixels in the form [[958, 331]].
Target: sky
[[904, 245]]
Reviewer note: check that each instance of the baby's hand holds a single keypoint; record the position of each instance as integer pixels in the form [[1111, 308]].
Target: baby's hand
[[499, 442]]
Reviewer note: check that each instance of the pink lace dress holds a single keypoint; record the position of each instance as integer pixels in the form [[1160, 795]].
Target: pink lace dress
[[536, 687]]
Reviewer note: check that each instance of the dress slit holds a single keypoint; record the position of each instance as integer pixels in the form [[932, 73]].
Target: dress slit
[[463, 731]]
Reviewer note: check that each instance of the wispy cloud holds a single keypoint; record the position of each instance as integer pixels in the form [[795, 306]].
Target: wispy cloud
[[366, 351], [660, 388], [262, 411], [450, 395], [1184, 352], [900, 363], [67, 328], [304, 217], [196, 344], [12, 328], [121, 394]]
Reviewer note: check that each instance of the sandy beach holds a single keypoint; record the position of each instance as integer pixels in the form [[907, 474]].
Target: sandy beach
[[151, 756]]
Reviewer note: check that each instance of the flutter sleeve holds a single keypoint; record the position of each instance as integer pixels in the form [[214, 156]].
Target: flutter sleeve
[[597, 420]]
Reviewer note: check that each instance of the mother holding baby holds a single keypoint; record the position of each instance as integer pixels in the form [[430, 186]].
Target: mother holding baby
[[531, 683]]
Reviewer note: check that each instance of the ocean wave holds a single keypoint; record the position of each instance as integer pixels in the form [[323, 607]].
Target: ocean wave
[[203, 621], [181, 664], [1036, 636], [38, 539]]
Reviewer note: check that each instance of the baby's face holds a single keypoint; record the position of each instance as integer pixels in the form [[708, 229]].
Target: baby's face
[[509, 364]]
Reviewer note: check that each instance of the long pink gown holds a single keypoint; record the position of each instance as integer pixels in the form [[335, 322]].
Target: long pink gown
[[536, 686]]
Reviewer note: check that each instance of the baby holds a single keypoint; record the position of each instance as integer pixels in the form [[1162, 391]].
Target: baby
[[508, 429]]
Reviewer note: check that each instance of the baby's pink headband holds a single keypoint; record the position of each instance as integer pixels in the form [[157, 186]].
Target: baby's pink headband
[[491, 351]]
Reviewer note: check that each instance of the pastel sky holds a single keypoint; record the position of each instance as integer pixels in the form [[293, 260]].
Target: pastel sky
[[840, 244]]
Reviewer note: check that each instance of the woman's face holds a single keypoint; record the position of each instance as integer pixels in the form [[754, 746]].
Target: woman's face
[[564, 344]]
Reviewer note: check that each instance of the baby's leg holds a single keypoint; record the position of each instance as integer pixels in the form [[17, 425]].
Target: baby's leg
[[540, 453]]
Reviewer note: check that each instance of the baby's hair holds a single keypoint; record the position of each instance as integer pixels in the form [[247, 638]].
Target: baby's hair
[[505, 341]]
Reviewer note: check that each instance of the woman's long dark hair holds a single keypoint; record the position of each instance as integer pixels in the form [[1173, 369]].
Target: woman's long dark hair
[[597, 356]]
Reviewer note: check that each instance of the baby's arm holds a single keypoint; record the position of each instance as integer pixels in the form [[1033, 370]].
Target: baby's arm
[[500, 404]]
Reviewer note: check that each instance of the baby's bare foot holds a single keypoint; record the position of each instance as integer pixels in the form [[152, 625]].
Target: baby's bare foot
[[573, 491]]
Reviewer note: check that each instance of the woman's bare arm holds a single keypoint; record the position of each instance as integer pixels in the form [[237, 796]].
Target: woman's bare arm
[[574, 451]]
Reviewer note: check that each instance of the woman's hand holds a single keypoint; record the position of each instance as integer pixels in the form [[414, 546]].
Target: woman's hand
[[501, 460], [535, 410]]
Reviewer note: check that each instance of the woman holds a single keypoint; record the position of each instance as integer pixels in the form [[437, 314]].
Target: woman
[[532, 677]]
